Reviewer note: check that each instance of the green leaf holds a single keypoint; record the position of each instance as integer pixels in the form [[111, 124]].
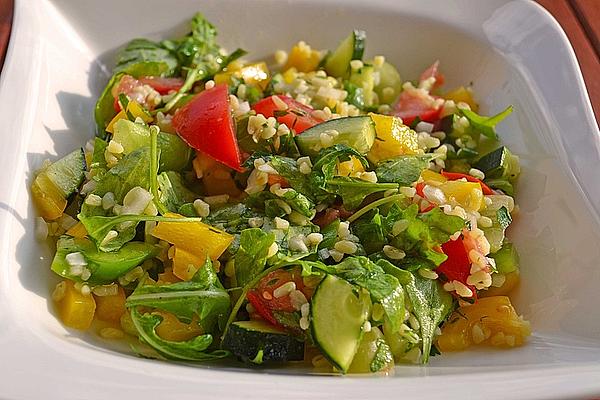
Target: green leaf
[[233, 218], [143, 57], [354, 191], [251, 257], [486, 125], [173, 192], [327, 161], [98, 165], [369, 230], [203, 296], [189, 350], [269, 202], [403, 170], [383, 356], [104, 111], [104, 267]]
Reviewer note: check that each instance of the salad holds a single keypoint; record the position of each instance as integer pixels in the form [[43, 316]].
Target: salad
[[313, 207]]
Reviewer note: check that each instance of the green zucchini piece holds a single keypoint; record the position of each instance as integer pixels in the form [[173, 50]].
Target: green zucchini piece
[[337, 316], [356, 132], [373, 355], [507, 259], [351, 48], [249, 340], [364, 78], [388, 78], [68, 172], [500, 164]]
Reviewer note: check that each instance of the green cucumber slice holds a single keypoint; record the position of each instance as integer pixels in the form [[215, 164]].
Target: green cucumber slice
[[500, 164], [365, 78], [253, 340], [356, 132], [351, 48], [68, 172], [337, 316], [507, 259], [388, 78]]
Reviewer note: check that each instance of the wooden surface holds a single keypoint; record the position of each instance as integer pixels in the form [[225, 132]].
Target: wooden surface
[[580, 19]]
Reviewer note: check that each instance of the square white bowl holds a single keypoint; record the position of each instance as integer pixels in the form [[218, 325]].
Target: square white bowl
[[513, 52]]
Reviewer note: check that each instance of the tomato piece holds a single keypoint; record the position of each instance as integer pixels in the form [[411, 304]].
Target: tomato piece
[[298, 116], [419, 188], [128, 85], [458, 266], [206, 124], [162, 85], [433, 71], [274, 280], [261, 308], [411, 104], [453, 176], [273, 179]]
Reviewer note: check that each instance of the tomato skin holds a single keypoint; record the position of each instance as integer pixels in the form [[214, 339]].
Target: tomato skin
[[433, 71], [411, 105], [458, 266], [299, 123], [453, 176], [257, 302], [162, 85], [206, 124]]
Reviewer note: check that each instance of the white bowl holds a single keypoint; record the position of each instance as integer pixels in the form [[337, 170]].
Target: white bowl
[[513, 52]]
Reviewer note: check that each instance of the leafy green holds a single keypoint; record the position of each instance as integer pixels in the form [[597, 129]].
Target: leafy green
[[104, 110], [153, 172], [354, 191], [98, 165], [486, 125], [189, 350], [383, 356], [431, 304], [143, 57], [369, 230], [173, 193], [425, 231], [327, 161], [233, 218], [403, 170], [355, 96], [271, 204], [203, 297], [287, 145], [329, 235], [251, 256], [104, 267]]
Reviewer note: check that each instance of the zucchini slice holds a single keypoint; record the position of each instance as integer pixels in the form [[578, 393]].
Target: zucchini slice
[[351, 48], [356, 132], [68, 172], [338, 316], [499, 164], [258, 342]]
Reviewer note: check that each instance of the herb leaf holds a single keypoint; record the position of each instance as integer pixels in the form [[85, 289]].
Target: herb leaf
[[486, 125], [403, 170]]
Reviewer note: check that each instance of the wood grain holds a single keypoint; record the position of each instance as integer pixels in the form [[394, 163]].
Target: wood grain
[[6, 16], [588, 13], [584, 50]]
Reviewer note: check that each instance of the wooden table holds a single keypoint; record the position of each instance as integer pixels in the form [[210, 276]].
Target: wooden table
[[579, 18]]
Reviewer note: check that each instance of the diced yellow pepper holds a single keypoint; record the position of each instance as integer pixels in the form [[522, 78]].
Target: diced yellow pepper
[[74, 309], [171, 328], [393, 138], [303, 58], [431, 176], [466, 194], [511, 281], [256, 74], [78, 231], [290, 75], [47, 197], [490, 321], [462, 94], [110, 308], [194, 237], [186, 264], [167, 277], [350, 167], [133, 108]]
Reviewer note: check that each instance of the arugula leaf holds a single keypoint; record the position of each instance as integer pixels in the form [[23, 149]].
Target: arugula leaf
[[173, 193], [383, 356], [384, 288], [283, 239], [203, 296], [431, 304], [287, 145], [327, 161], [425, 231], [98, 227], [486, 125], [98, 165], [104, 111], [104, 267], [329, 235], [232, 217], [369, 230], [403, 170], [270, 203], [354, 191], [189, 350], [143, 57], [251, 256]]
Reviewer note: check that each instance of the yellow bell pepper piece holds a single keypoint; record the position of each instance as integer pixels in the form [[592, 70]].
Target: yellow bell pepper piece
[[47, 197], [133, 108], [194, 237], [393, 138], [350, 167], [110, 308], [74, 309], [466, 194], [256, 74], [429, 176], [171, 328], [167, 277], [511, 281], [77, 231], [462, 94], [186, 264], [303, 58]]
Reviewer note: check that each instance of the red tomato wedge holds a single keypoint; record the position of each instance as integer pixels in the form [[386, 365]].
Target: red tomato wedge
[[255, 299], [411, 105], [206, 124], [298, 116], [433, 71], [453, 176], [458, 266], [162, 85]]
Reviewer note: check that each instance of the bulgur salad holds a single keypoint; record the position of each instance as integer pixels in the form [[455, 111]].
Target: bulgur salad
[[312, 207]]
